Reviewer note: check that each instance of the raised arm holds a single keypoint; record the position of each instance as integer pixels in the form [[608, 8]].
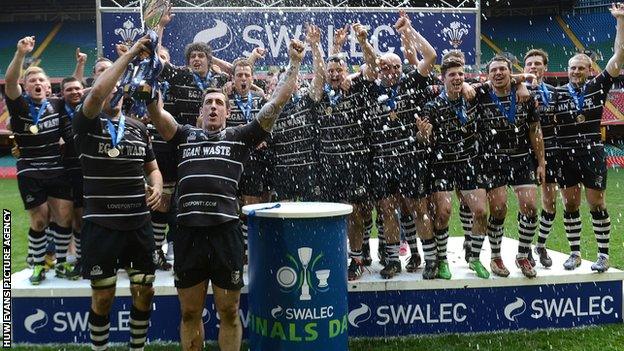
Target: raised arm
[[161, 119], [417, 41], [12, 88], [313, 38], [367, 49], [105, 84], [81, 61], [615, 62], [340, 37], [285, 88], [409, 50]]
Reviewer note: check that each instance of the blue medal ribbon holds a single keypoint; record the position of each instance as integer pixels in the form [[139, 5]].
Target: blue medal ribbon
[[245, 108], [544, 92], [333, 98], [510, 113], [36, 112], [392, 93], [116, 133], [460, 108], [164, 89], [579, 99], [202, 84], [70, 111]]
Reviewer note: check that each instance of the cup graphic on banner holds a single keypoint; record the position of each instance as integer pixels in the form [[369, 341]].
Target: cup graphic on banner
[[305, 254]]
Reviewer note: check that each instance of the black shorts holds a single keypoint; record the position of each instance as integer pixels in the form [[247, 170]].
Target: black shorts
[[501, 170], [297, 183], [253, 179], [345, 182], [166, 159], [590, 169], [35, 191], [106, 250], [400, 176], [77, 186], [451, 176], [553, 166], [209, 253]]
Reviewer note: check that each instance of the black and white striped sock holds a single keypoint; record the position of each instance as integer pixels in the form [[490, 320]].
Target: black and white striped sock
[[77, 243], [99, 327], [545, 225], [572, 224], [380, 231], [430, 249], [159, 226], [392, 251], [602, 231], [441, 238], [526, 230], [409, 228], [37, 242], [62, 239], [355, 254], [476, 243], [368, 228], [495, 232], [245, 230], [139, 322], [465, 216]]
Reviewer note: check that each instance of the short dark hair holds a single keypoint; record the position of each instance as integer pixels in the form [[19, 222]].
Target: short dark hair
[[242, 62], [537, 52], [216, 90], [101, 59], [339, 57], [457, 55], [69, 80], [451, 62], [202, 47], [498, 58]]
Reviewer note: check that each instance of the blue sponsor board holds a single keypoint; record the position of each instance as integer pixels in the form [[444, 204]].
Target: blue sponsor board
[[372, 314], [235, 33]]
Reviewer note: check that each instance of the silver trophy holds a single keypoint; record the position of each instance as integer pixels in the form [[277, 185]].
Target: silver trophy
[[305, 254]]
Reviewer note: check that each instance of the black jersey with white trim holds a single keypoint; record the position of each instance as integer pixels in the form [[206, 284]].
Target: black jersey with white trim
[[237, 118], [343, 126], [497, 134], [546, 110], [393, 132], [453, 140], [577, 134], [184, 92], [210, 166], [71, 162], [40, 153], [294, 140], [114, 187]]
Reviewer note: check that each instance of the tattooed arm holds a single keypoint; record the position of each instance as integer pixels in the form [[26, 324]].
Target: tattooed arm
[[285, 88]]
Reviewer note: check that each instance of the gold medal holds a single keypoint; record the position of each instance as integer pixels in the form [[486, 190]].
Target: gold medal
[[114, 152], [580, 118], [393, 116], [329, 110], [33, 129]]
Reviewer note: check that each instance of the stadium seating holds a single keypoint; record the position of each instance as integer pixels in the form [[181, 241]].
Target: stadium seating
[[596, 31]]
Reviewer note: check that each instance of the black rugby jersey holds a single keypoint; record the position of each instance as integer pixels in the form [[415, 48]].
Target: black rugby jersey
[[70, 156], [393, 128], [209, 169], [40, 153], [114, 187], [498, 135], [295, 135], [237, 117], [185, 93], [453, 139], [343, 125], [581, 134], [546, 110]]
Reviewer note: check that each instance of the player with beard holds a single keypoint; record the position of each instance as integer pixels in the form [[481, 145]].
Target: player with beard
[[399, 156], [536, 63], [578, 116], [116, 158], [508, 159], [210, 165], [294, 139], [450, 122], [45, 191]]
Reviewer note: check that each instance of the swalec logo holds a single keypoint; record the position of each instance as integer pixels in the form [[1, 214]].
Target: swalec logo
[[35, 321], [219, 37], [359, 315], [515, 309]]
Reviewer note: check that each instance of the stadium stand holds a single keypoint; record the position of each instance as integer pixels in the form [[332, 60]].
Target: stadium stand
[[595, 31]]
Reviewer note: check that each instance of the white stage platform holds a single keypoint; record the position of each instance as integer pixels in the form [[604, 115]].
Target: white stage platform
[[404, 305]]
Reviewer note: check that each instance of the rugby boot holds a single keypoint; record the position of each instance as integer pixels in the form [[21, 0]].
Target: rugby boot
[[525, 267], [355, 270], [480, 271], [383, 257], [431, 269], [572, 262], [38, 274], [66, 270], [544, 259], [531, 259], [601, 265], [443, 270], [413, 263], [366, 257], [160, 261], [467, 250], [498, 267], [49, 261], [391, 269]]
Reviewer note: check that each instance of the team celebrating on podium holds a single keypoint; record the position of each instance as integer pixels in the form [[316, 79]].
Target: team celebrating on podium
[[105, 176]]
